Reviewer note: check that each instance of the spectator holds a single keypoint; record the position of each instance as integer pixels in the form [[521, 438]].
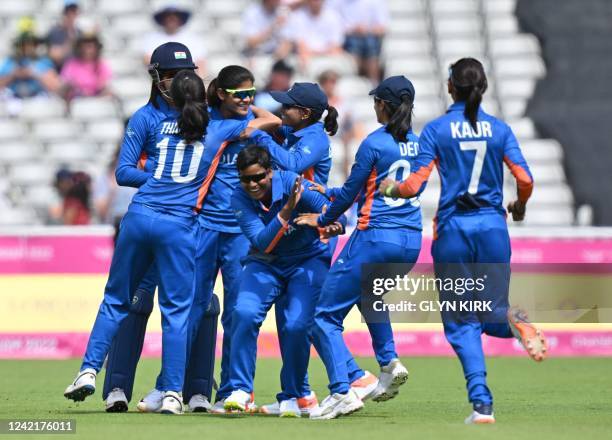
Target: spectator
[[262, 27], [75, 207], [172, 21], [111, 201], [281, 78], [62, 183], [315, 29], [365, 25], [25, 74], [86, 74], [62, 36], [350, 130]]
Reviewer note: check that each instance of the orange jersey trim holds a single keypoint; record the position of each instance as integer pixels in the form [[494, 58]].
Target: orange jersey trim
[[366, 209], [209, 177], [143, 160], [524, 182], [410, 187], [309, 174], [276, 239]]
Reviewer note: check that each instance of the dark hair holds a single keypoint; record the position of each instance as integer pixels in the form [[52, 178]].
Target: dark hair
[[189, 95], [229, 77], [80, 188], [253, 155], [400, 121], [470, 82], [330, 122]]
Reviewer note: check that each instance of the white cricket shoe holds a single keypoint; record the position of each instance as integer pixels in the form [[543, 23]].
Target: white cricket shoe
[[337, 405], [116, 401], [199, 403], [218, 407], [365, 386], [306, 404], [482, 414], [84, 385], [290, 408], [238, 400], [172, 403], [152, 402], [391, 377]]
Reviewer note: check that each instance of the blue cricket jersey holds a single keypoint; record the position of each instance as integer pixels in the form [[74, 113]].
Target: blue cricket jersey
[[306, 152], [379, 156], [262, 226], [217, 213], [470, 163], [181, 173]]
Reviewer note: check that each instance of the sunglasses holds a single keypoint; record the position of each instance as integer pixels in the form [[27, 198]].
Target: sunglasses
[[253, 177], [242, 93]]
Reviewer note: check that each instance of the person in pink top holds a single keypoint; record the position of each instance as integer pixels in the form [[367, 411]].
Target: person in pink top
[[86, 74]]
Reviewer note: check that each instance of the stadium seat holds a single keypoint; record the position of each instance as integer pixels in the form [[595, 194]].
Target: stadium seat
[[134, 25], [42, 108], [350, 86], [454, 8], [504, 25], [413, 26], [542, 150], [343, 64], [131, 87], [509, 88], [458, 27], [524, 67], [405, 47], [31, 174], [93, 108], [50, 130], [11, 129], [454, 48], [41, 196], [108, 130], [513, 45], [411, 68], [18, 216], [499, 7], [72, 151], [522, 128], [17, 8], [19, 152], [120, 7], [546, 216]]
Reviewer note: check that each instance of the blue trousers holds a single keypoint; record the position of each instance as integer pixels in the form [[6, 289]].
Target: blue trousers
[[299, 281], [475, 246], [223, 251], [342, 291], [149, 237], [214, 250]]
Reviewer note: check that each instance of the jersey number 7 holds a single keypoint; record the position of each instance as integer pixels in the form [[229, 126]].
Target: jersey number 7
[[481, 151]]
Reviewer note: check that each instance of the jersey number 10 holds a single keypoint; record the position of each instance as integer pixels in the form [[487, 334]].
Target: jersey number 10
[[177, 164]]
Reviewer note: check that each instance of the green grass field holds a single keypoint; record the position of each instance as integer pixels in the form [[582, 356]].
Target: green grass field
[[561, 398]]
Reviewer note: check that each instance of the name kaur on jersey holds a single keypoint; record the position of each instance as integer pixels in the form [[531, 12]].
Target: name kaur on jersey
[[463, 129]]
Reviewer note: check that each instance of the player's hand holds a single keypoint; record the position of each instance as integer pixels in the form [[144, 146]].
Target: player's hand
[[246, 133], [296, 193], [331, 230], [389, 188], [307, 220], [517, 209], [318, 188]]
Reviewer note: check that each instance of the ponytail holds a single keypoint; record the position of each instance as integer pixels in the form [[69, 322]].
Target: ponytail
[[331, 121], [189, 96], [471, 106], [400, 122], [469, 81]]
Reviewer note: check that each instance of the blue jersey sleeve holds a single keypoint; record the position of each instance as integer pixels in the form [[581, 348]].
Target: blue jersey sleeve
[[424, 163], [365, 161], [263, 237], [128, 173], [313, 201], [513, 158], [303, 156]]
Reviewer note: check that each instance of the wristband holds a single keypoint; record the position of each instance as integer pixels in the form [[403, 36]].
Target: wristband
[[389, 191]]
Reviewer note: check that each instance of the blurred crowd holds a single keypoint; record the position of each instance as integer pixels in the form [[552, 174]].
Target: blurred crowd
[[68, 61]]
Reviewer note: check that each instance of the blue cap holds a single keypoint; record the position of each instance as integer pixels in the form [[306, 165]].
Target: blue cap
[[171, 56], [307, 95], [393, 89], [183, 14]]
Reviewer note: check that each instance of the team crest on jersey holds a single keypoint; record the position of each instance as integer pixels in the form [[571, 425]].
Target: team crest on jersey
[[180, 55]]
